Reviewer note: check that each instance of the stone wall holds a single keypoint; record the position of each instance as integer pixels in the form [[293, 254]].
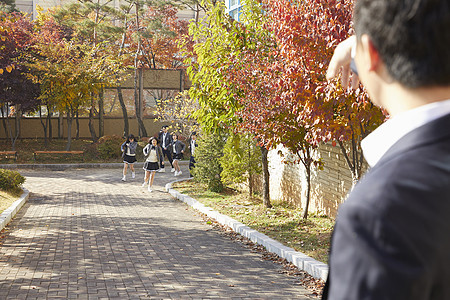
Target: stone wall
[[32, 128], [329, 187]]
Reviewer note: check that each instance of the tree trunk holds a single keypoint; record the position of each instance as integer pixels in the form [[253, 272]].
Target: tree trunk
[[77, 120], [101, 124], [5, 125], [91, 125], [136, 96], [197, 14], [353, 169], [17, 120], [265, 171], [44, 126], [69, 128], [50, 127], [60, 126], [10, 134], [308, 189], [124, 112], [137, 77], [91, 121], [250, 185], [137, 102], [249, 170]]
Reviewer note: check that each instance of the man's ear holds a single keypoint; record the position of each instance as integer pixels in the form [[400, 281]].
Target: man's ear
[[372, 55]]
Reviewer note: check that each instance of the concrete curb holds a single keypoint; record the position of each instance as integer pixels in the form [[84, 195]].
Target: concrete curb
[[313, 267], [10, 212]]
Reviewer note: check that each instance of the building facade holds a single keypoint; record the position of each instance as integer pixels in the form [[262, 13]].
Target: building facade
[[29, 7], [234, 8]]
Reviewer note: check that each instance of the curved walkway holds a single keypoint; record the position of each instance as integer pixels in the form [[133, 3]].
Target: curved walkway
[[84, 234]]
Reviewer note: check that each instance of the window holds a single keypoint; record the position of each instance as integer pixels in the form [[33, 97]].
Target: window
[[234, 8]]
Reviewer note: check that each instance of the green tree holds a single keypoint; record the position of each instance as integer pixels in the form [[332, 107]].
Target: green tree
[[69, 72], [208, 168], [93, 24], [8, 6], [210, 88], [220, 43], [179, 112], [241, 161], [48, 32]]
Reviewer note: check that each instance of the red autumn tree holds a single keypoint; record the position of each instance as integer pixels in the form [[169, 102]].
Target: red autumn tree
[[306, 33], [280, 81], [164, 31], [268, 111], [16, 90]]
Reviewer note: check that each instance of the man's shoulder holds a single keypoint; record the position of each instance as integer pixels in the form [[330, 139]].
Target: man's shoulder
[[418, 181]]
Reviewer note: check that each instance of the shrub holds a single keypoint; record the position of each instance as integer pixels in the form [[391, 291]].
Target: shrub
[[241, 161], [10, 180], [108, 146], [207, 167], [90, 151]]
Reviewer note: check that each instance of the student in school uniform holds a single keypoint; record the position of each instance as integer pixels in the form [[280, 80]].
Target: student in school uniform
[[177, 153], [166, 141], [153, 162], [192, 145], [129, 156]]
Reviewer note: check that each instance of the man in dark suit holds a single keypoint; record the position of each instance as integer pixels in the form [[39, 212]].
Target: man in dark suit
[[392, 235], [192, 145], [166, 141]]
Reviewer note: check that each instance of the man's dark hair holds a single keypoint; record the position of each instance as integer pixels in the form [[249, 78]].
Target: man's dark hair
[[165, 126], [411, 36]]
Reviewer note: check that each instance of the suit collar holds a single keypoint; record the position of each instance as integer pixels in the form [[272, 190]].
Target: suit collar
[[429, 133], [376, 144]]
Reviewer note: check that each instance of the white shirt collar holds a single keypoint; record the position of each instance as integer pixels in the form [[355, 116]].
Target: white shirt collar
[[376, 144]]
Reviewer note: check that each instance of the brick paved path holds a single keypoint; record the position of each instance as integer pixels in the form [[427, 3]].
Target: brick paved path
[[84, 234]]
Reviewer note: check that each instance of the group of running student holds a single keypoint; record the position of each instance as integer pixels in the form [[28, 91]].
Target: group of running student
[[170, 146]]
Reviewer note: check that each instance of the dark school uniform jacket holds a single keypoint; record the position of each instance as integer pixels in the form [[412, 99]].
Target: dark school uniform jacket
[[190, 145], [168, 139], [179, 146]]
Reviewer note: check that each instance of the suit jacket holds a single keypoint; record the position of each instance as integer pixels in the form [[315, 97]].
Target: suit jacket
[[129, 148], [190, 145], [179, 146], [392, 235], [168, 139]]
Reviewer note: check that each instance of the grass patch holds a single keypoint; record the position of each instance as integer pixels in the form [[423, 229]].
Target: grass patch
[[282, 222], [8, 198]]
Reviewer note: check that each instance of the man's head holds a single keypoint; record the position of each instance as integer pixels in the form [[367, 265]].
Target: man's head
[[165, 128], [412, 38]]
